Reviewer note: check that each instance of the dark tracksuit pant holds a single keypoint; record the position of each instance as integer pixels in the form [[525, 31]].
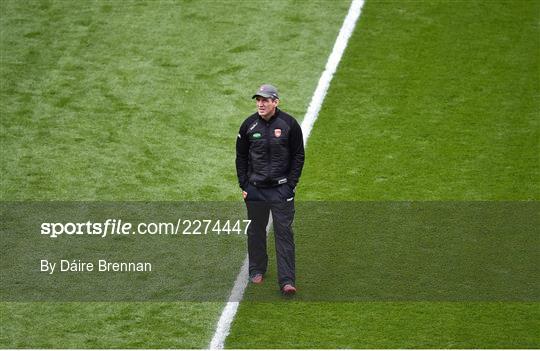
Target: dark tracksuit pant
[[278, 200]]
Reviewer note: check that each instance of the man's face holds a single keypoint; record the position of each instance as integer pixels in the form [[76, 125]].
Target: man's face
[[266, 106]]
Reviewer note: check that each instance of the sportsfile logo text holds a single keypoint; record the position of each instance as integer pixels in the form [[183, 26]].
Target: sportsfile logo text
[[120, 227]]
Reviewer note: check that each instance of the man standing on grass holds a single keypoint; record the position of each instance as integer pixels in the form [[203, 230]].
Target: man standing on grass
[[269, 161]]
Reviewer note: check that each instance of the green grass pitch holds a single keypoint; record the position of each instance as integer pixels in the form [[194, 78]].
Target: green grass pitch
[[139, 101], [433, 100]]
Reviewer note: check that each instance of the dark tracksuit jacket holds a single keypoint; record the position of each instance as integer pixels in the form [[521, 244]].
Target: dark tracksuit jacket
[[269, 161], [269, 153]]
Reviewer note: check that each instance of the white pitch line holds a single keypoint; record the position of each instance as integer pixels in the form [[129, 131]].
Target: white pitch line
[[331, 66], [227, 315], [240, 284]]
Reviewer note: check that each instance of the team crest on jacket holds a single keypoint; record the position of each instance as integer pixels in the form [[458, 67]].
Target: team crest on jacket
[[277, 132]]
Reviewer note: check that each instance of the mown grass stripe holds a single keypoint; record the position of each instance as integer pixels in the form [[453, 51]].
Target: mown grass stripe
[[229, 312]]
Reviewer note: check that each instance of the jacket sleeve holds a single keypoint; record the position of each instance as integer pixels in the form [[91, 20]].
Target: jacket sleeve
[[242, 157], [296, 149]]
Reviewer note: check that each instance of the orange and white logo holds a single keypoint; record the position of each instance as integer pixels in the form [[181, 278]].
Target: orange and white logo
[[277, 133]]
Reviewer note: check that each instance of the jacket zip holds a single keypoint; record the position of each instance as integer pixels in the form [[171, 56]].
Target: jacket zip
[[268, 151]]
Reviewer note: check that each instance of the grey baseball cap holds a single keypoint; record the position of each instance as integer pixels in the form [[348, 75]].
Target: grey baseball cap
[[267, 91]]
